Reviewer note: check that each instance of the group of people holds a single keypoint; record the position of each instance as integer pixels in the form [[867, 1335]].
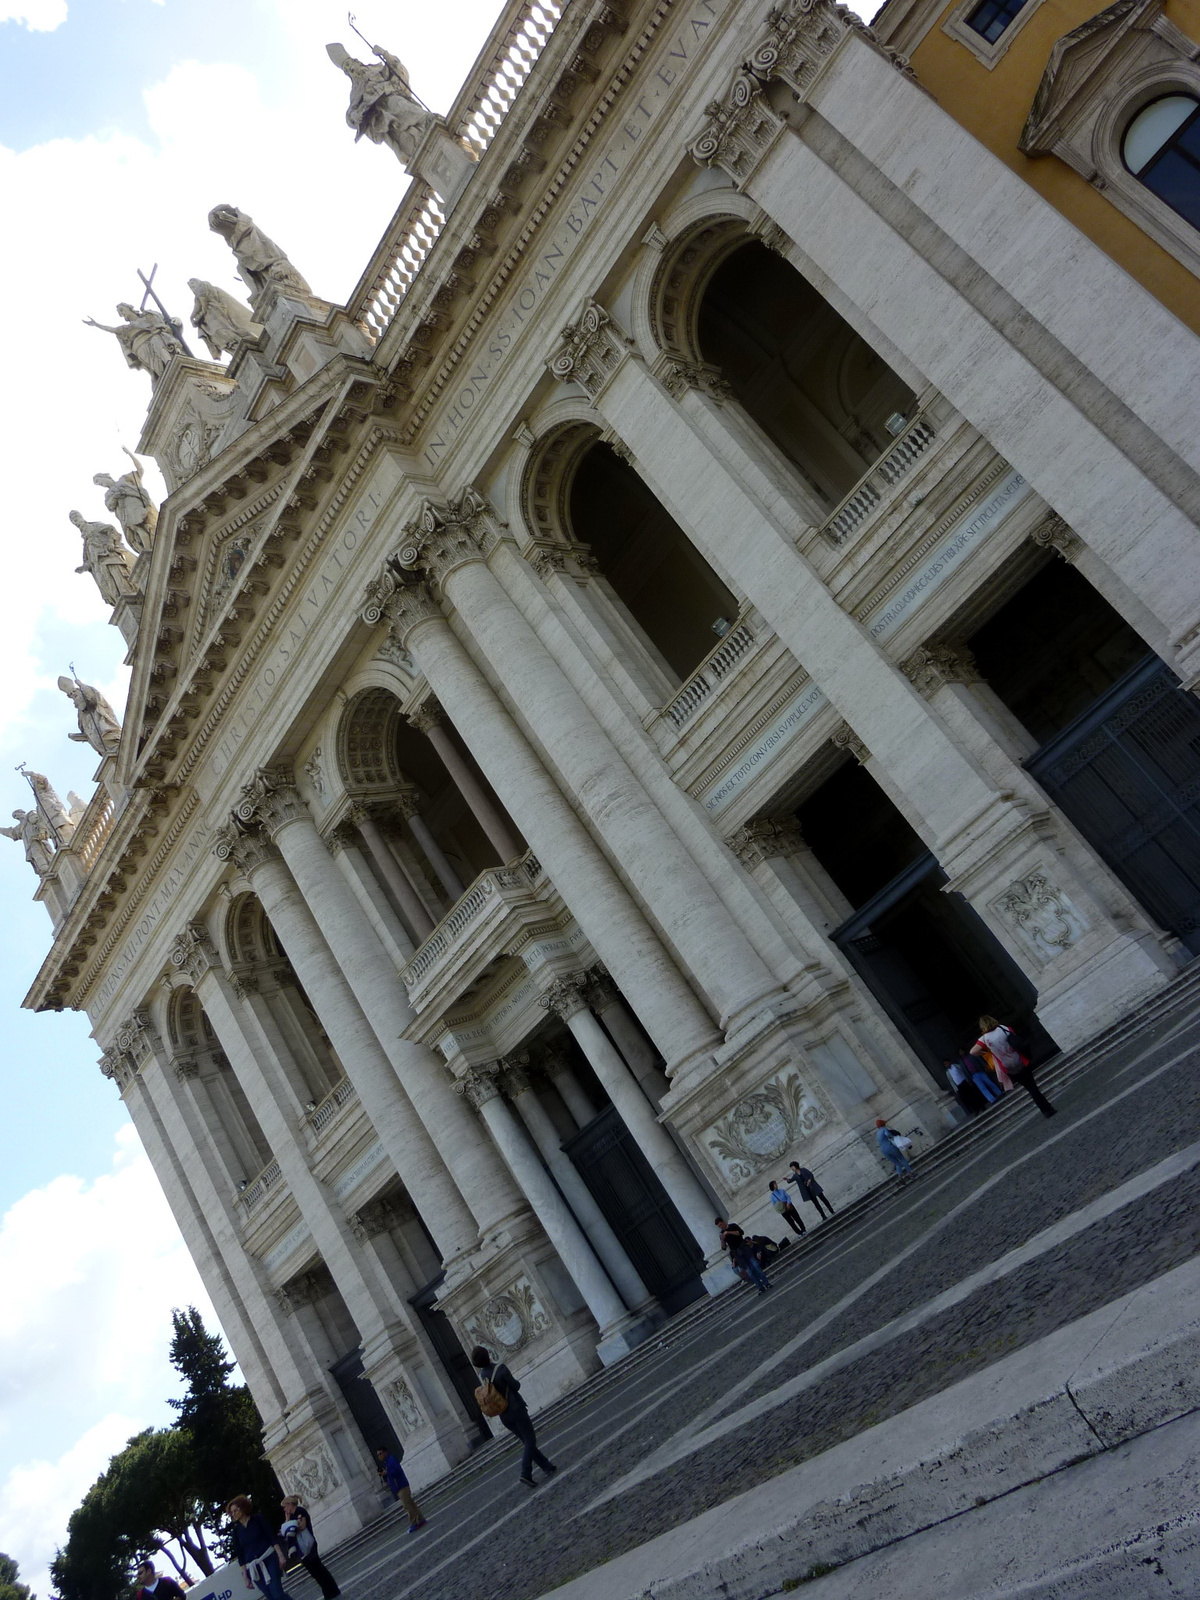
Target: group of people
[[997, 1063], [750, 1252]]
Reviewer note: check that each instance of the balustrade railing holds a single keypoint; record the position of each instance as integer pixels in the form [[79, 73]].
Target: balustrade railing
[[260, 1186], [708, 675], [476, 116], [870, 490], [331, 1105], [89, 836], [466, 910]]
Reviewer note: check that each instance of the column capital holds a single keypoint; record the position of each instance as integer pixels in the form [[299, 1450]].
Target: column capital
[[193, 953], [565, 997], [376, 1217], [590, 350], [138, 1038], [400, 599], [427, 715], [247, 846], [845, 738], [1052, 533], [480, 1084], [932, 667], [515, 1073], [301, 1290], [765, 839], [562, 560], [186, 1068], [554, 1061], [677, 376], [116, 1065], [271, 800], [601, 991], [443, 537]]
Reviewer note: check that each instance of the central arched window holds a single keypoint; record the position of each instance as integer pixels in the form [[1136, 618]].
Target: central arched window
[[1161, 148]]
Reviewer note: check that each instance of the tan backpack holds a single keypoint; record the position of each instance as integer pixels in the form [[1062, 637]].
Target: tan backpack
[[489, 1399]]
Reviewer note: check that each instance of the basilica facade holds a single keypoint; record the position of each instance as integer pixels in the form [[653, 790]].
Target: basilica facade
[[717, 610]]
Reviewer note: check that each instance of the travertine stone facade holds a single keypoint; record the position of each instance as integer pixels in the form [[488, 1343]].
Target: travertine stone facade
[[577, 760]]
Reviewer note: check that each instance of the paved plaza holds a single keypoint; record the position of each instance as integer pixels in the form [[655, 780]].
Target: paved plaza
[[1014, 1230]]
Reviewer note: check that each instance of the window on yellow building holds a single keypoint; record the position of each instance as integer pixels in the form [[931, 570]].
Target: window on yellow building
[[990, 19], [1161, 148]]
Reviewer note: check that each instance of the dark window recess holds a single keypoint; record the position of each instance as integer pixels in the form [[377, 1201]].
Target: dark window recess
[[993, 17], [1054, 649], [1128, 776], [451, 1354], [857, 834], [1173, 171], [638, 1209]]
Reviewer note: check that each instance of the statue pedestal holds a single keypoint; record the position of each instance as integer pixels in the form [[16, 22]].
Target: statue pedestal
[[442, 163]]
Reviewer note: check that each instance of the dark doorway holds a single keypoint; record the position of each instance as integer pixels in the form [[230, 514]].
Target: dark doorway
[[638, 1209], [811, 383], [365, 1405], [670, 589], [450, 1353], [1128, 776], [1120, 740], [927, 956]]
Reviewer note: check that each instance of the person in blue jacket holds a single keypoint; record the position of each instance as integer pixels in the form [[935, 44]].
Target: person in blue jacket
[[256, 1548], [883, 1138]]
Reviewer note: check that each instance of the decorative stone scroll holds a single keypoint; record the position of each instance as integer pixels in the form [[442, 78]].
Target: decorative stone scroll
[[591, 350], [765, 839], [1042, 914], [845, 738], [566, 997], [246, 846], [1052, 533], [509, 1320], [932, 667], [192, 952], [479, 1084], [117, 1066], [760, 1130]]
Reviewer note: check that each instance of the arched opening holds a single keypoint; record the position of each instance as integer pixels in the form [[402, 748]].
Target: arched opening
[[811, 383], [666, 584], [232, 1124], [1161, 148]]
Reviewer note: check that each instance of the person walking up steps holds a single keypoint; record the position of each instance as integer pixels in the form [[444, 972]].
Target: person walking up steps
[[1000, 1044], [782, 1202], [809, 1188], [394, 1475], [499, 1395], [297, 1534], [884, 1137], [742, 1254]]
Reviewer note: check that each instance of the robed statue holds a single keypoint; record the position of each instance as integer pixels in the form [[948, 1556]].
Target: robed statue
[[106, 558], [33, 831], [62, 822], [221, 321], [127, 499], [262, 265], [382, 104], [98, 725], [148, 341]]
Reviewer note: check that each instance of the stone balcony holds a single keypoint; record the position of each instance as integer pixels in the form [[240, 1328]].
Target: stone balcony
[[487, 922]]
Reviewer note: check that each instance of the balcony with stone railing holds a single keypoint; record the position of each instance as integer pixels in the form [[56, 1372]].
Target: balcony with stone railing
[[482, 925], [883, 480], [322, 1114], [511, 53], [260, 1187]]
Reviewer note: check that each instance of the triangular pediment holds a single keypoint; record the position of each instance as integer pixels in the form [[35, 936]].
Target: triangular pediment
[[1074, 64]]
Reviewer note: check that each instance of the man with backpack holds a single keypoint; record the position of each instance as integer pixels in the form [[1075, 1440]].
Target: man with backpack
[[499, 1395]]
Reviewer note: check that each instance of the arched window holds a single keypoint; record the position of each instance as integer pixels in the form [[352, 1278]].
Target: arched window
[[1161, 148]]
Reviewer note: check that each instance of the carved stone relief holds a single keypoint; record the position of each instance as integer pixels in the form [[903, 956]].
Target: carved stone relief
[[508, 1321], [761, 1129], [313, 1475], [1042, 915], [404, 1406]]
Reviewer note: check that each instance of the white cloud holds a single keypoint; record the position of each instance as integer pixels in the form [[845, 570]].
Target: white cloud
[[39, 16], [91, 1274]]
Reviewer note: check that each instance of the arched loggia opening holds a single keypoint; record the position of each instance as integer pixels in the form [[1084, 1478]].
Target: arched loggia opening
[[670, 590], [812, 384]]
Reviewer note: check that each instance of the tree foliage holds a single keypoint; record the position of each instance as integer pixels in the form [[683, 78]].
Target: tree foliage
[[168, 1487], [10, 1589]]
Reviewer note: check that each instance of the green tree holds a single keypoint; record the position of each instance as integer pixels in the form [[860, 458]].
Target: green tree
[[10, 1589], [223, 1421], [151, 1498]]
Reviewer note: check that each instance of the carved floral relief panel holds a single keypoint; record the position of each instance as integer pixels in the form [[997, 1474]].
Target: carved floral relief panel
[[763, 1127], [1042, 915], [509, 1320]]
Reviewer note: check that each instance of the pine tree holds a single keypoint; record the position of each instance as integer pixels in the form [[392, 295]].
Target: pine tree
[[10, 1589]]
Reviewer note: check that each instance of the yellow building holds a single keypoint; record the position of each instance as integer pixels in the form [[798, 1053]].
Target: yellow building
[[1098, 110]]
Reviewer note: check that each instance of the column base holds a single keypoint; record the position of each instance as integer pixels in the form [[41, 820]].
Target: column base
[[619, 1338], [314, 1458], [719, 1276], [1121, 976]]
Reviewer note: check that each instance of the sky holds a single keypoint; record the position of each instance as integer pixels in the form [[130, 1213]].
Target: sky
[[122, 122]]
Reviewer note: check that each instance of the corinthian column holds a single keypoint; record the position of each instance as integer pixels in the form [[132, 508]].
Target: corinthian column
[[447, 544], [307, 881], [616, 929], [427, 719], [576, 1254], [565, 999]]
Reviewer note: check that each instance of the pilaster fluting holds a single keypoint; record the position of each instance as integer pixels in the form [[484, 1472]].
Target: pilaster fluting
[[448, 545], [578, 1196], [614, 925], [428, 719], [566, 999], [561, 1228], [310, 881]]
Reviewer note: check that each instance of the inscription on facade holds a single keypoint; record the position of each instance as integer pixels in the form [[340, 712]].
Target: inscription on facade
[[354, 1175], [766, 747], [587, 201], [196, 841]]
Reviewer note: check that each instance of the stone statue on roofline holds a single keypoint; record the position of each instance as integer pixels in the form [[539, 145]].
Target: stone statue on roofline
[[262, 265], [106, 558], [98, 725], [220, 320], [383, 107], [61, 821], [127, 499], [33, 832], [148, 341]]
